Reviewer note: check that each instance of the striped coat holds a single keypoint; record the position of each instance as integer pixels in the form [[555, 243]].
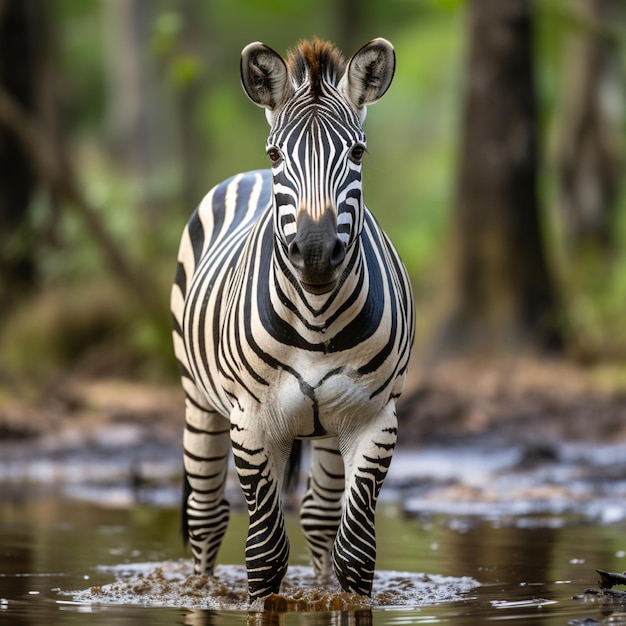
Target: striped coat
[[293, 319]]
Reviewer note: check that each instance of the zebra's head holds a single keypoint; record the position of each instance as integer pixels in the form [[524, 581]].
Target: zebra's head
[[315, 104]]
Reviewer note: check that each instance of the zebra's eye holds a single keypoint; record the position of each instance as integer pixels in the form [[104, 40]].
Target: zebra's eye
[[274, 155], [357, 152]]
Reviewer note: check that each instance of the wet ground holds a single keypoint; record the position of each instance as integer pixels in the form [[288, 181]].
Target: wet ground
[[507, 492], [74, 561]]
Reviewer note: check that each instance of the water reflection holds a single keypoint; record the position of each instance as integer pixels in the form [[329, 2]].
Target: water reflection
[[49, 545], [521, 554], [196, 617], [362, 617]]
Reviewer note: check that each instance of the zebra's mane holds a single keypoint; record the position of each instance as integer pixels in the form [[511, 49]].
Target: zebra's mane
[[315, 61]]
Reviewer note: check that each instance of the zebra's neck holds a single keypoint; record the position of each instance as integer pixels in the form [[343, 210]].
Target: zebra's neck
[[315, 318]]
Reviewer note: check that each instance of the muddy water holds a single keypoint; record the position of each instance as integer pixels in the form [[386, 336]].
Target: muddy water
[[74, 560]]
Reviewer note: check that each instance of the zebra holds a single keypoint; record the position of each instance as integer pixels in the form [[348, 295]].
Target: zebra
[[293, 319]]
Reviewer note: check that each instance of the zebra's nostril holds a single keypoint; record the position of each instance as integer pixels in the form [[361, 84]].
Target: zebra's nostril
[[295, 255], [338, 254]]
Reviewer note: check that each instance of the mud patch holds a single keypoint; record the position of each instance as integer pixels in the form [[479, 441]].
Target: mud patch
[[173, 584]]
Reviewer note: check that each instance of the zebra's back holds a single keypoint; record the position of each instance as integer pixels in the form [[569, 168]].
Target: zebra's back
[[211, 245]]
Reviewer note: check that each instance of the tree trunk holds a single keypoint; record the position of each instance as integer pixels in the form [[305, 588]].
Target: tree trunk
[[590, 134], [20, 39], [504, 295]]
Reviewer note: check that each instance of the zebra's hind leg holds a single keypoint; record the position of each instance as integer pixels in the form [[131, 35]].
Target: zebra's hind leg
[[206, 443], [367, 450], [320, 512]]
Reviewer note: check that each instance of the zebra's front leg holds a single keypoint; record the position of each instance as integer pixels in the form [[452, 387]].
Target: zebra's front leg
[[320, 512], [367, 451], [260, 461], [206, 444]]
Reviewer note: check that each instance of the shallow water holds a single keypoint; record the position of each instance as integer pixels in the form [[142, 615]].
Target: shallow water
[[57, 553]]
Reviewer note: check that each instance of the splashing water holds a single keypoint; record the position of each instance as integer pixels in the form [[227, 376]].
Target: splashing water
[[173, 584]]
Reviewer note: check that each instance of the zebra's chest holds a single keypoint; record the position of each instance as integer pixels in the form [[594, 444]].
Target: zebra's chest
[[310, 381], [316, 401]]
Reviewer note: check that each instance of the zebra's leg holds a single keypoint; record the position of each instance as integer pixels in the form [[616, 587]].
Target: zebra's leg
[[320, 512], [206, 443], [367, 451], [260, 461]]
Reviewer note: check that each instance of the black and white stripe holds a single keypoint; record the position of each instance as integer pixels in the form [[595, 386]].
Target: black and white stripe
[[294, 319]]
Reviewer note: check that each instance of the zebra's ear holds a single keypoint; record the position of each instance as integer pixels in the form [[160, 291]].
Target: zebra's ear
[[264, 76], [369, 73]]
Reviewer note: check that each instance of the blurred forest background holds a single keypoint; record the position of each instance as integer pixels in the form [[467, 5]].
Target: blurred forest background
[[496, 166]]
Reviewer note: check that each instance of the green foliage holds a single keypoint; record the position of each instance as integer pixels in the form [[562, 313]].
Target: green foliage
[[591, 278], [80, 52], [412, 138], [167, 27], [594, 284], [182, 67], [194, 104], [86, 328]]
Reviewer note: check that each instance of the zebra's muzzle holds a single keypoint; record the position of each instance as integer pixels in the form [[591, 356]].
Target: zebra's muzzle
[[317, 253], [319, 289]]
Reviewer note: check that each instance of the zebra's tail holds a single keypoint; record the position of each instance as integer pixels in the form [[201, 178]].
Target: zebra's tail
[[184, 518], [292, 471]]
